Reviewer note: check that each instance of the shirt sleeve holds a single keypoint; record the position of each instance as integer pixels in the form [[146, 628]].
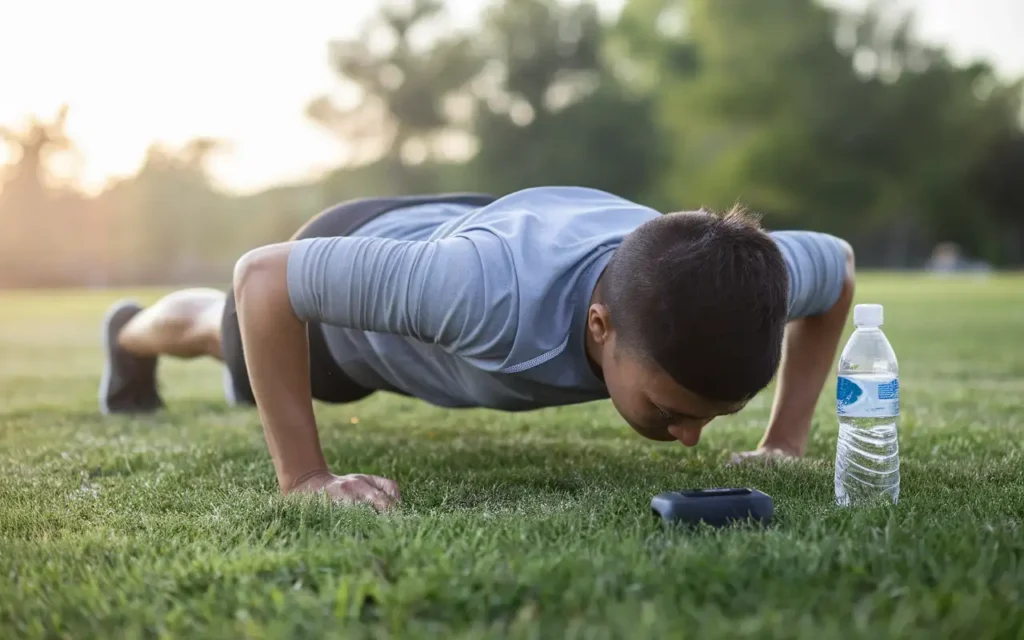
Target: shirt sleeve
[[816, 263], [459, 292]]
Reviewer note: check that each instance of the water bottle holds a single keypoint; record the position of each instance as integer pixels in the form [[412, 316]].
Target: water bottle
[[868, 408]]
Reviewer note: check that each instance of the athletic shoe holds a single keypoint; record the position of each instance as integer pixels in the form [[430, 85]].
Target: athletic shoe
[[129, 381], [235, 396], [229, 388]]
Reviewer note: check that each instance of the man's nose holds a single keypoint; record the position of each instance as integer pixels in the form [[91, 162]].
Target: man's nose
[[688, 435]]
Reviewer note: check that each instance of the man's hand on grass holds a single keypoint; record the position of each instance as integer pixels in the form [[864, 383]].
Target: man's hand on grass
[[354, 488], [763, 455]]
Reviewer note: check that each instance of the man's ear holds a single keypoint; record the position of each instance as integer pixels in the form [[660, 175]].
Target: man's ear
[[599, 323]]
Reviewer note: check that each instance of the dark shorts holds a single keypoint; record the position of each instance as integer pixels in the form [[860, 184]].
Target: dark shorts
[[329, 382]]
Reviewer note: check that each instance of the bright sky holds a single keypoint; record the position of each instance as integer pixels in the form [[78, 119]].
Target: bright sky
[[136, 73]]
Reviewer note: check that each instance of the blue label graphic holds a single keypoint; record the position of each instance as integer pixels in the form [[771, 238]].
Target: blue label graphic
[[868, 396], [847, 392], [889, 390]]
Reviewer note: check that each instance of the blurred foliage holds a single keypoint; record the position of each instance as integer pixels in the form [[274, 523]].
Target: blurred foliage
[[400, 115], [550, 111], [818, 118]]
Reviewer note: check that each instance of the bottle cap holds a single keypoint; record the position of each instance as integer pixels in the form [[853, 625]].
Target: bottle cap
[[867, 315]]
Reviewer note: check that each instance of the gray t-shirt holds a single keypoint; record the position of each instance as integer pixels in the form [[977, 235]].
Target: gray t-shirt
[[486, 307]]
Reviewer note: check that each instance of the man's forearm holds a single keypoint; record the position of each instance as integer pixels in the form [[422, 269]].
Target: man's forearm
[[277, 360], [808, 354]]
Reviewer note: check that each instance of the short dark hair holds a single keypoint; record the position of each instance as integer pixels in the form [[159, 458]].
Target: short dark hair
[[703, 296]]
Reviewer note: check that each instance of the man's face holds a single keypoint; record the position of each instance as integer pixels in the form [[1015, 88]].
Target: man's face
[[652, 402]]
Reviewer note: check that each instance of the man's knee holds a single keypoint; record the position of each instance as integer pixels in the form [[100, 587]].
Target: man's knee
[[185, 324]]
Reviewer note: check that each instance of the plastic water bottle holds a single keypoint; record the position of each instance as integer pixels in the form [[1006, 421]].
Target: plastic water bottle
[[868, 408]]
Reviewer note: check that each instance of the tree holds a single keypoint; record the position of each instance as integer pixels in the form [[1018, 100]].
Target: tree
[[551, 111], [401, 113], [997, 182], [747, 90], [168, 222], [34, 149], [821, 119], [35, 211]]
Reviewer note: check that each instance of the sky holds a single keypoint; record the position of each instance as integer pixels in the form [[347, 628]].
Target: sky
[[136, 73]]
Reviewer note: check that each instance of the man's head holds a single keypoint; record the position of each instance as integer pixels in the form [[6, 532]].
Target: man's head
[[688, 320]]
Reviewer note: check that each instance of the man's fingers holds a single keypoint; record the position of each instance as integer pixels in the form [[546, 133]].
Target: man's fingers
[[358, 490], [749, 457], [763, 456], [390, 487], [738, 458], [370, 494]]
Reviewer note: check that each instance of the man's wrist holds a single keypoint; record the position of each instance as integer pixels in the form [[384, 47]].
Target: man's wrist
[[292, 481]]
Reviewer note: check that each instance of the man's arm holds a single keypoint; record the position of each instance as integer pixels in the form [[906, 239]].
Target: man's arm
[[811, 342], [436, 292], [809, 350], [277, 360]]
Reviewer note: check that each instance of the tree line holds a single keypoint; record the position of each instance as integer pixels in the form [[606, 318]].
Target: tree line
[[814, 117]]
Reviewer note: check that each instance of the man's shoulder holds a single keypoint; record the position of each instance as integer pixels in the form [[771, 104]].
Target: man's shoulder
[[558, 217], [566, 198], [554, 242]]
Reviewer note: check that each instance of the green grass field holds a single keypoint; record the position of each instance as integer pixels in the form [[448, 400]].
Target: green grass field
[[512, 525]]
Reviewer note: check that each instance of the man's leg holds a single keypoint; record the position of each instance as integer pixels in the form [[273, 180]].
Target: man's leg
[[183, 324], [203, 322]]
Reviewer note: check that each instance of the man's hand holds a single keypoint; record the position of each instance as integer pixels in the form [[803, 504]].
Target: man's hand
[[763, 455], [354, 488]]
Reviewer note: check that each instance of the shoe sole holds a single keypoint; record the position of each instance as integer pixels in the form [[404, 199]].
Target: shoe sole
[[108, 355]]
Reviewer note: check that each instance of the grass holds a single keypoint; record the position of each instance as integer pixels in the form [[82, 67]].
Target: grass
[[512, 525]]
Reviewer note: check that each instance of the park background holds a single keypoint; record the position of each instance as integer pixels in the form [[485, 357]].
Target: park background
[[154, 144], [194, 131]]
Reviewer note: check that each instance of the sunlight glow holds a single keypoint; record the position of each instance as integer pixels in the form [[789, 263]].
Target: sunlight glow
[[137, 73]]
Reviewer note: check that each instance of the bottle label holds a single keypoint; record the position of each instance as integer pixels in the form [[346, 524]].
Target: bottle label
[[868, 396]]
